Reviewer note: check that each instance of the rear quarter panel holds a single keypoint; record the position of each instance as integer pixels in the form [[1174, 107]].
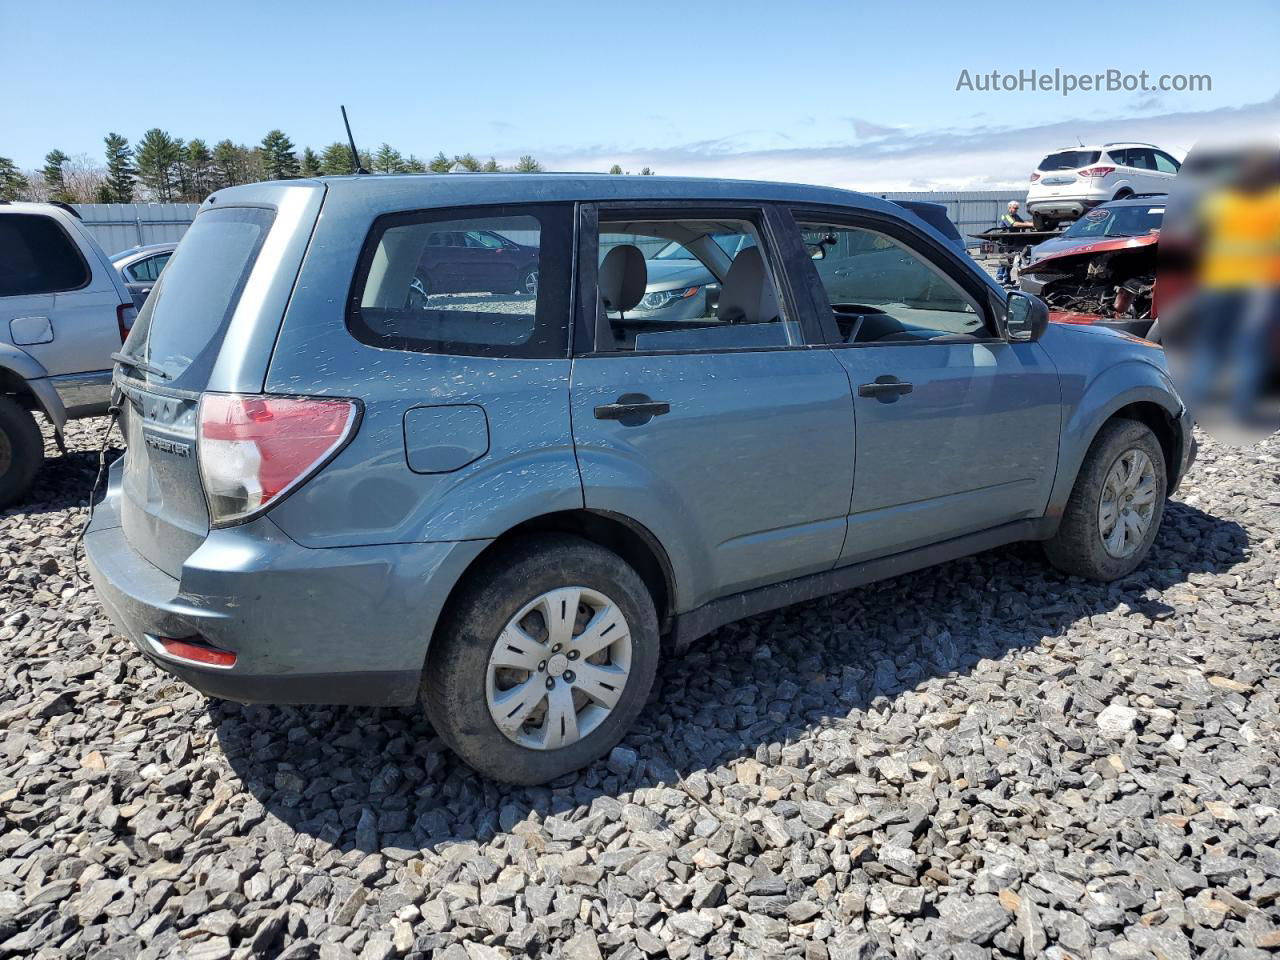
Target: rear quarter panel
[[369, 494]]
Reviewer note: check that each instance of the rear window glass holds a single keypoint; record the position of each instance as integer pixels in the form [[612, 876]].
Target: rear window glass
[[1069, 160], [37, 256], [489, 281], [181, 326]]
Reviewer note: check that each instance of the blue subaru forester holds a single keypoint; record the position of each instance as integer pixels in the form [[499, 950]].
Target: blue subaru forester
[[343, 485]]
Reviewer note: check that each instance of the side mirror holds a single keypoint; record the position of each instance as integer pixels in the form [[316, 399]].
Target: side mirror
[[1026, 317]]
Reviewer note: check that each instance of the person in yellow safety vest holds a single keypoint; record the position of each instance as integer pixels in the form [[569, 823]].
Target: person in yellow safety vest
[[1239, 279], [1009, 220]]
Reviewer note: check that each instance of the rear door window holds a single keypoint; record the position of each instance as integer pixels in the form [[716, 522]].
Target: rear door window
[[37, 256], [506, 295], [181, 326]]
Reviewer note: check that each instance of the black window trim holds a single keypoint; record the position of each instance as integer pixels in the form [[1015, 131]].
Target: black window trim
[[360, 331], [75, 247], [942, 257], [762, 214]]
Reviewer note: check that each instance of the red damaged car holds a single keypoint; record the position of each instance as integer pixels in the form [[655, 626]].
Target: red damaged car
[[1102, 269]]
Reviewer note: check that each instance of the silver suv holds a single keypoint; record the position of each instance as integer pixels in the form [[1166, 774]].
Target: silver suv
[[63, 311], [511, 502]]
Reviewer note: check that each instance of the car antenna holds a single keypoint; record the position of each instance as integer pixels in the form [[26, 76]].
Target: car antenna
[[1078, 140], [355, 154]]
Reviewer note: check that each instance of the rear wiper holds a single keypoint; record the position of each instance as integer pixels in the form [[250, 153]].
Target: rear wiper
[[139, 364]]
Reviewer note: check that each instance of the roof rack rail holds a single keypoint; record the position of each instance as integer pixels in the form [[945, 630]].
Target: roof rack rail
[[1145, 196], [61, 205], [1130, 143]]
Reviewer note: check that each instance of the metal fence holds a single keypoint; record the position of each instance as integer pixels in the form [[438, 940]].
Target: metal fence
[[118, 226], [972, 211]]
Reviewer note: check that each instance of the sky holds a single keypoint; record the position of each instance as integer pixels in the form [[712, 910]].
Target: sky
[[853, 94]]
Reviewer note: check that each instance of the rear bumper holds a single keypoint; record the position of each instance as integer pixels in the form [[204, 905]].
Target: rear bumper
[[343, 625], [1063, 206]]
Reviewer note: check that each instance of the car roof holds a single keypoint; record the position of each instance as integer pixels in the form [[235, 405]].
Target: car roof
[[1138, 200], [434, 189]]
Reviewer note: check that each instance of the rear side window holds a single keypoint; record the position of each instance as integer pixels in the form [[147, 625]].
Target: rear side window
[[484, 281], [37, 256], [1069, 160], [181, 326]]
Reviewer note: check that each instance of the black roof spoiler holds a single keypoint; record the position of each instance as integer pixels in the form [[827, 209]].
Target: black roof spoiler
[[935, 215]]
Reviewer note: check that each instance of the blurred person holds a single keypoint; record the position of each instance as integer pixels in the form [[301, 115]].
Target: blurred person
[[1010, 220], [1239, 276], [1224, 339]]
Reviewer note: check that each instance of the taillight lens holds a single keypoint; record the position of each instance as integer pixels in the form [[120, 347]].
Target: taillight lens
[[1035, 176], [255, 449], [1095, 172], [126, 313]]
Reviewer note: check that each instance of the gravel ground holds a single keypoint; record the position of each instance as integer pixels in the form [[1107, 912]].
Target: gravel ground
[[982, 759]]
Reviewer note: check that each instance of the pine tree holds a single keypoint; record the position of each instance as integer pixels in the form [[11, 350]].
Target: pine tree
[[226, 164], [388, 160], [278, 159], [336, 160], [413, 165], [200, 175], [527, 164], [119, 185], [157, 161], [310, 163], [615, 169], [53, 178], [468, 163], [491, 166], [440, 163], [646, 172], [13, 185], [181, 175]]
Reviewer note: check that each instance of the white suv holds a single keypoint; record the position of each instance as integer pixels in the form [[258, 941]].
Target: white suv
[[1075, 179], [63, 311]]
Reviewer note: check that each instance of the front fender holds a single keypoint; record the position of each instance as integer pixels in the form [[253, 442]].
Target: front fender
[[1131, 380], [36, 377]]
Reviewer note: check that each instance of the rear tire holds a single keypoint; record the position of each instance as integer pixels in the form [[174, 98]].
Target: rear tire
[[469, 685], [1109, 525], [21, 451]]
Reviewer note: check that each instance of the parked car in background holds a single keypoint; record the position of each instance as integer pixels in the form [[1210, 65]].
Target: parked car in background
[[1070, 182], [1102, 269], [63, 311], [140, 267], [512, 505], [1136, 216], [473, 261]]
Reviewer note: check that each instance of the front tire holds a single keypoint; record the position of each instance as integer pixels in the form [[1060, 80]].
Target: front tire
[[544, 659], [21, 451], [1115, 508]]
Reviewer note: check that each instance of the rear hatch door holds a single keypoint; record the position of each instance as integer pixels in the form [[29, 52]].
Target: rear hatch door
[[211, 309]]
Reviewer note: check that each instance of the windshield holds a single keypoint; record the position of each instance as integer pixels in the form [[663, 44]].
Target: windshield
[[1069, 160], [730, 243], [1129, 221], [181, 326]]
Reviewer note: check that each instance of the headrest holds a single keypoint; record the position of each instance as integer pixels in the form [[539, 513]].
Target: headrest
[[747, 295], [623, 278]]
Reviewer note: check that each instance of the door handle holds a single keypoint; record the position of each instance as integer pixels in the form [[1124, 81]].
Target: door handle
[[886, 388], [632, 409]]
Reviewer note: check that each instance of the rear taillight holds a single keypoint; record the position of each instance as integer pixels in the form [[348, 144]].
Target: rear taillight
[[253, 450], [1096, 172], [1035, 176], [126, 313]]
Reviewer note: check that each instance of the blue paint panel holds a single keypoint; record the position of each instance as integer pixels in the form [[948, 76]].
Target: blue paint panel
[[445, 438]]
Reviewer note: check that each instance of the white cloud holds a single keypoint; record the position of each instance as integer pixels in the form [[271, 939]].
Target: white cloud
[[976, 158]]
